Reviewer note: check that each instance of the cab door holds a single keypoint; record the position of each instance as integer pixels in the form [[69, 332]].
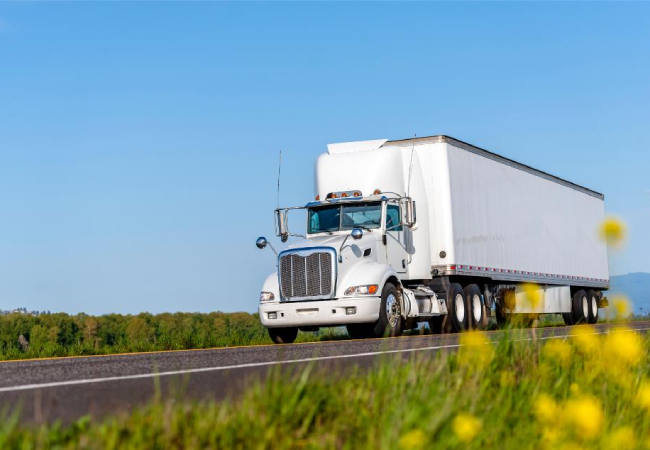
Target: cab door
[[396, 254]]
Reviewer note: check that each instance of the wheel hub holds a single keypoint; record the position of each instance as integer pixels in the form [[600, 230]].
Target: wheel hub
[[392, 310], [477, 308], [459, 307]]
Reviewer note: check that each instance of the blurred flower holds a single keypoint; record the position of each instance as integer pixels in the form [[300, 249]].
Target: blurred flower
[[532, 295], [558, 350], [621, 439], [621, 307], [586, 340], [574, 388], [466, 427], [475, 350], [623, 346], [550, 435], [546, 410], [414, 439], [586, 415], [643, 395], [613, 231]]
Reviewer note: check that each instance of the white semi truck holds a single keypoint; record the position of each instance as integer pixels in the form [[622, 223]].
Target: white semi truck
[[434, 229]]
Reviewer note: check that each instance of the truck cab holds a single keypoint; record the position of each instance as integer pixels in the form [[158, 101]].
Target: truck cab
[[346, 269]]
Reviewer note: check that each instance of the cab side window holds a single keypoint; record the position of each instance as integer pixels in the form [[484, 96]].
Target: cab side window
[[393, 218]]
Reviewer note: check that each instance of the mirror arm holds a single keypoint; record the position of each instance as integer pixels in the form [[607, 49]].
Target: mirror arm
[[273, 248]]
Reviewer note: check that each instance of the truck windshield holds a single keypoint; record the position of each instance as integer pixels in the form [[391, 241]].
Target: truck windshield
[[344, 217]]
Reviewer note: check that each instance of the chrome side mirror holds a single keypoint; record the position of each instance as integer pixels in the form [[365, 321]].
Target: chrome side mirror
[[283, 229], [357, 233], [261, 242], [409, 207]]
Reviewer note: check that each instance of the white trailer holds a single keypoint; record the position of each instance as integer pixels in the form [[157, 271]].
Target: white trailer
[[434, 229]]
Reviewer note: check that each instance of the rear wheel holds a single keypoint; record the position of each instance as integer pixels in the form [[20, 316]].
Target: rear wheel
[[283, 335], [476, 308], [592, 296], [580, 307], [457, 315]]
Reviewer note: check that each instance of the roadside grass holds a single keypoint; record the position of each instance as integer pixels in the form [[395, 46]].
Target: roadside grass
[[587, 392]]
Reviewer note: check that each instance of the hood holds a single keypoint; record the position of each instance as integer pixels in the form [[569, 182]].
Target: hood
[[335, 240]]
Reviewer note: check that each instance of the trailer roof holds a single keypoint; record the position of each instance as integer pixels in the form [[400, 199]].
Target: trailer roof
[[493, 156]]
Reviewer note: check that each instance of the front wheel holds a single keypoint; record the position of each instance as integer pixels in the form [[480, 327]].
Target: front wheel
[[390, 322], [283, 335]]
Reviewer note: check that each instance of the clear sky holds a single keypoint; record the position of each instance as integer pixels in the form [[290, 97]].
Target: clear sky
[[139, 141]]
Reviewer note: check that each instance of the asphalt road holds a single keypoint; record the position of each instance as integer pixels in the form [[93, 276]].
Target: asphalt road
[[47, 390]]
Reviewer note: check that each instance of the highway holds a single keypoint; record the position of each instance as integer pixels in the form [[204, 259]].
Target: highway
[[46, 390]]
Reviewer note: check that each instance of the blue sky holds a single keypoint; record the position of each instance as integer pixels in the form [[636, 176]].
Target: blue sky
[[139, 141]]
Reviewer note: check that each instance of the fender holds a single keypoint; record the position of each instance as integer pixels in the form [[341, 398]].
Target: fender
[[271, 285], [370, 272]]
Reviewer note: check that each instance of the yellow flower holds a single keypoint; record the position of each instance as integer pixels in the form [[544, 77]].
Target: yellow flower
[[585, 339], [546, 409], [532, 294], [558, 350], [643, 395], [621, 307], [466, 427], [613, 231], [574, 388], [623, 346], [621, 439], [586, 415], [475, 350], [414, 439], [550, 435]]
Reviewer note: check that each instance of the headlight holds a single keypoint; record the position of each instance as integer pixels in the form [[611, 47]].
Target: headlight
[[266, 296], [368, 289]]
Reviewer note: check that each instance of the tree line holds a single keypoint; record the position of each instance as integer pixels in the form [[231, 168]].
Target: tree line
[[60, 334]]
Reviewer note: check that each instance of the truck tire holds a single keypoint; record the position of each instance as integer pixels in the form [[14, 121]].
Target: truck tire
[[390, 322], [568, 319], [477, 317], [580, 307], [593, 307], [283, 335], [457, 308]]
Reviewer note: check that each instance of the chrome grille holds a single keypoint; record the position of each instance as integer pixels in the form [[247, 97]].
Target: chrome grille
[[307, 275]]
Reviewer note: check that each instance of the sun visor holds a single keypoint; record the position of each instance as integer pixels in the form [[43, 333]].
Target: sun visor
[[352, 147]]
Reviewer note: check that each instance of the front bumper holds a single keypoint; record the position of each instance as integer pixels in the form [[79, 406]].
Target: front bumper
[[320, 313]]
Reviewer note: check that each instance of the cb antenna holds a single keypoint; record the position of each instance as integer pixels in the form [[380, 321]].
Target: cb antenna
[[408, 187], [279, 171]]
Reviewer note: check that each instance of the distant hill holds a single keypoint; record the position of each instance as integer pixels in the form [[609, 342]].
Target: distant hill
[[637, 288]]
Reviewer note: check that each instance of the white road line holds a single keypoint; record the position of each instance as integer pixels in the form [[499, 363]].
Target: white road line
[[27, 387]]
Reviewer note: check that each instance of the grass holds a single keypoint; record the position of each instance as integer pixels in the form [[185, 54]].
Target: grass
[[588, 392]]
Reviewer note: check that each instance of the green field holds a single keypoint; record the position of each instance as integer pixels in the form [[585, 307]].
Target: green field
[[61, 334], [588, 392]]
